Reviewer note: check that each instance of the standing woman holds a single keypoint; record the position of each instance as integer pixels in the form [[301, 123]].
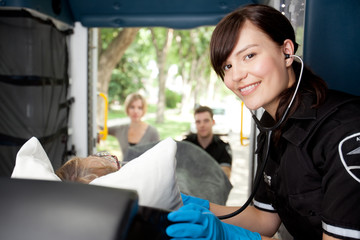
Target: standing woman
[[138, 131], [309, 135]]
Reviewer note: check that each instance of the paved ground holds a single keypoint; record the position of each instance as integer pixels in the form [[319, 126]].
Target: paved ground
[[239, 172]]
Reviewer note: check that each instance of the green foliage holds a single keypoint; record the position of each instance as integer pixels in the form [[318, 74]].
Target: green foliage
[[172, 98], [107, 35], [160, 35], [189, 52], [122, 84], [132, 70]]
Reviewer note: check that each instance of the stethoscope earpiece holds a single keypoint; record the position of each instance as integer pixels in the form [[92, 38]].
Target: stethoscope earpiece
[[268, 131]]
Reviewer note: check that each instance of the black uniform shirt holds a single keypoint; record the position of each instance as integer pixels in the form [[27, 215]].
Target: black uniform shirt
[[312, 177], [218, 149]]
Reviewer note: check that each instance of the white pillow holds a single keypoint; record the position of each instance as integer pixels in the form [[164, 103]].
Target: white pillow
[[33, 163], [152, 175]]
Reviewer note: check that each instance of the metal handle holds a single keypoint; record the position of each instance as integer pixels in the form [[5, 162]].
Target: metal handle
[[104, 132], [242, 138]]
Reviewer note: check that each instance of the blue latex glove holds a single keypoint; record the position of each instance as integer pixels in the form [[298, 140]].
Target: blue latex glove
[[195, 222], [187, 199]]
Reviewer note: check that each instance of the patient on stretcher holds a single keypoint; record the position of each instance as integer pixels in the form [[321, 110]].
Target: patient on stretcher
[[152, 174], [85, 170], [158, 172]]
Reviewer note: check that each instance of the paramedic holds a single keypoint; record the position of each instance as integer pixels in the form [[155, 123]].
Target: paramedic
[[311, 182]]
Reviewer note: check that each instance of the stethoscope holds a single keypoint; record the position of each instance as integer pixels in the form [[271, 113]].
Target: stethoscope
[[268, 132]]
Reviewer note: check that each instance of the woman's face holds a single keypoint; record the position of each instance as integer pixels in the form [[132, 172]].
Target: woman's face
[[136, 110], [256, 70]]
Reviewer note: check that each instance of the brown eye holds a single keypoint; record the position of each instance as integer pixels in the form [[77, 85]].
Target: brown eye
[[227, 67], [251, 55]]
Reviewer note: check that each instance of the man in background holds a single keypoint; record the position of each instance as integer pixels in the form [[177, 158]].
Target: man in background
[[211, 143]]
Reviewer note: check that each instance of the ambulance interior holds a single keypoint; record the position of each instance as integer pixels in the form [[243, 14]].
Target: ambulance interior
[[48, 90]]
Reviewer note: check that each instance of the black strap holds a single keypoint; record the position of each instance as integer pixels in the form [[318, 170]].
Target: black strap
[[7, 140], [32, 80], [67, 103]]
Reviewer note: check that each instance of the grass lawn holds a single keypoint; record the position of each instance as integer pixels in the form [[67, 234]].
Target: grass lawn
[[174, 126], [171, 128], [113, 114]]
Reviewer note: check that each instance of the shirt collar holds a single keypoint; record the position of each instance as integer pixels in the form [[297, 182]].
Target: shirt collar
[[305, 111], [298, 131]]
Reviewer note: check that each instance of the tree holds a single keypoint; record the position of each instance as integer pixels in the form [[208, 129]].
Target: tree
[[191, 53], [162, 39], [110, 55], [132, 73], [111, 50], [129, 71]]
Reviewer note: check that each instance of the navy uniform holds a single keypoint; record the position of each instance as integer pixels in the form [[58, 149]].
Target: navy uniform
[[312, 178], [218, 149]]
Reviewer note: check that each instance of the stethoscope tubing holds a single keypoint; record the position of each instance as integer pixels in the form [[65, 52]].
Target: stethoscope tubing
[[256, 182], [268, 131]]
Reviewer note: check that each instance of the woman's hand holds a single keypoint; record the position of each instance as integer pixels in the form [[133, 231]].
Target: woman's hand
[[195, 222], [187, 199]]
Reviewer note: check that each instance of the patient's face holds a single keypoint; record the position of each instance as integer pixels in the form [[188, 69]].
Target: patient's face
[[87, 169], [109, 157], [99, 162]]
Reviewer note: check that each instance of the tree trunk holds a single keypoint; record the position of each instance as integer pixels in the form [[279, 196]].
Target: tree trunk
[[111, 56], [161, 54], [186, 103], [108, 60]]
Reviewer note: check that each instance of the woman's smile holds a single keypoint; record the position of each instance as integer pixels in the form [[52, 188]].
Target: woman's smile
[[249, 88], [256, 70]]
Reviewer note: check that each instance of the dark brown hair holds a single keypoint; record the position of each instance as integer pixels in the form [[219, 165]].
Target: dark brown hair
[[202, 109], [226, 33], [278, 28]]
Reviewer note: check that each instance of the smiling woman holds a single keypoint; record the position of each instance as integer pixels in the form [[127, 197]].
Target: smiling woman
[[255, 69], [301, 170]]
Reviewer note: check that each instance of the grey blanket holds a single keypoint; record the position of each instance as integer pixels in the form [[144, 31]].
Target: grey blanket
[[198, 174]]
